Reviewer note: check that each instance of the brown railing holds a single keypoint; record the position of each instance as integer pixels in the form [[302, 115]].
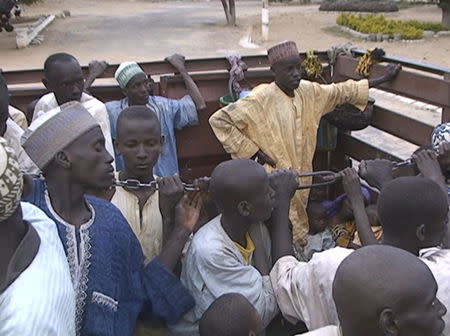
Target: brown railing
[[199, 150]]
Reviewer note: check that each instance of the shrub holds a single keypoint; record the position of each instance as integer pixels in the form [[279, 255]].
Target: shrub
[[358, 6], [378, 24]]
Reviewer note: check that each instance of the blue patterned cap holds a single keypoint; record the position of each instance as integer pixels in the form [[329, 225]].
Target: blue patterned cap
[[440, 134]]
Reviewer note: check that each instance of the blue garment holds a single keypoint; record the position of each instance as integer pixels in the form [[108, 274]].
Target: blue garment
[[172, 114], [106, 263]]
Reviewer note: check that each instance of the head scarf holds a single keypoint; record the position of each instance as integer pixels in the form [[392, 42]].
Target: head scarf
[[440, 134], [54, 131], [126, 71], [11, 181]]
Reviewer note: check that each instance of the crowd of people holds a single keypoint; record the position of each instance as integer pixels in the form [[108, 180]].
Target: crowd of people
[[100, 236]]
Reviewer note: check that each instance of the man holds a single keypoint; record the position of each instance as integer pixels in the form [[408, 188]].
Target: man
[[391, 293], [278, 122], [111, 280], [36, 293], [12, 132], [231, 315], [230, 254], [172, 113], [413, 213], [64, 79]]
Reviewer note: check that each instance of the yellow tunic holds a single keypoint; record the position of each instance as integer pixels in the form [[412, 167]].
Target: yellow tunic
[[146, 225], [285, 128], [247, 252]]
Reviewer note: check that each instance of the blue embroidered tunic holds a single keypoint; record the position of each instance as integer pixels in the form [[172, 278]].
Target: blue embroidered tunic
[[106, 263], [172, 114]]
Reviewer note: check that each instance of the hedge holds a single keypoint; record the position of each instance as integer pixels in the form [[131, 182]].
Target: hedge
[[358, 6], [378, 24]]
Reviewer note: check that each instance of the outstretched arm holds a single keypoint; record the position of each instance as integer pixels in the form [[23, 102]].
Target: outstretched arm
[[177, 61], [352, 188], [392, 71]]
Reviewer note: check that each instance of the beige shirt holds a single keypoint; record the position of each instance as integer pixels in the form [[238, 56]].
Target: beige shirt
[[326, 331], [95, 107], [285, 128], [18, 116], [13, 135], [146, 225]]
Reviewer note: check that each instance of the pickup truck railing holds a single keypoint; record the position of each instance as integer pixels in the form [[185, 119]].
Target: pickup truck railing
[[199, 150]]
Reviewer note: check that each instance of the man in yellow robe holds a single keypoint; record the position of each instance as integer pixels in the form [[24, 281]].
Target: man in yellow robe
[[278, 122]]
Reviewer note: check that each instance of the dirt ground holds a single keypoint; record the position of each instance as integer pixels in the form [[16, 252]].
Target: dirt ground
[[141, 30]]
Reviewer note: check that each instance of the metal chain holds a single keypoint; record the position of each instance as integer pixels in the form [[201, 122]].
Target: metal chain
[[136, 184]]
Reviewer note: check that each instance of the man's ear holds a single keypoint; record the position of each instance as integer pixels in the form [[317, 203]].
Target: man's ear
[[243, 208], [387, 323], [62, 160], [420, 232]]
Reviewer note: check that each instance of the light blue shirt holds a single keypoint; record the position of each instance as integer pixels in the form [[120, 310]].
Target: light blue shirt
[[172, 114]]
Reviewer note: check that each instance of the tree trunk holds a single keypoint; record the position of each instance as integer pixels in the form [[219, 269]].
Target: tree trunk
[[225, 8], [446, 15], [232, 13]]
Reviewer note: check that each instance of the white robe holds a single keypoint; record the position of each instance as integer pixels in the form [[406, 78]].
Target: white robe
[[41, 301], [214, 266]]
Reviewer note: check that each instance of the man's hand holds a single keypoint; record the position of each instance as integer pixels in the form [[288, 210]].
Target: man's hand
[[177, 61], [170, 191], [376, 172], [262, 158], [187, 211], [427, 162], [97, 67], [392, 71], [284, 182], [351, 184]]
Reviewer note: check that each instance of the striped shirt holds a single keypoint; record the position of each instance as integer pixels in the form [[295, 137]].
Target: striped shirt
[[41, 301]]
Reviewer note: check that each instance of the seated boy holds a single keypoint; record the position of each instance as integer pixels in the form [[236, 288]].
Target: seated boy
[[112, 282], [172, 113], [391, 293], [230, 254], [231, 315]]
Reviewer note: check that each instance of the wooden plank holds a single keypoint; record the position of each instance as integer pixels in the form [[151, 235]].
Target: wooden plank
[[360, 150], [409, 84], [155, 68], [401, 126]]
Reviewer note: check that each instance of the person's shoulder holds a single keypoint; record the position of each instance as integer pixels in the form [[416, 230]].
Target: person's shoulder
[[114, 104], [325, 331], [209, 238], [44, 225], [333, 256]]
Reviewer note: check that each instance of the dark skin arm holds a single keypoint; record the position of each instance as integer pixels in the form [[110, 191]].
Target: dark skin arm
[[391, 72], [285, 183], [96, 69], [170, 192], [177, 61], [187, 213], [352, 188]]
